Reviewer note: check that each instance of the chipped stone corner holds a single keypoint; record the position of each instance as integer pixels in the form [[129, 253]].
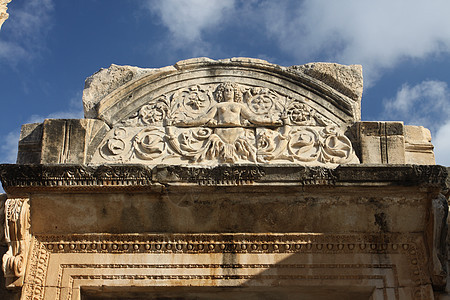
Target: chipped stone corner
[[346, 79], [104, 81], [3, 14]]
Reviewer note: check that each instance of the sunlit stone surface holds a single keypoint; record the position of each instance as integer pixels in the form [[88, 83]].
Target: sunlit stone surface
[[225, 179], [3, 14]]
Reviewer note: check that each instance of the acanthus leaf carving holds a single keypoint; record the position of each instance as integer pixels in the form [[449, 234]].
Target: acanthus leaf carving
[[227, 145], [116, 148], [17, 236], [223, 175], [305, 144], [226, 123], [439, 251], [148, 143]]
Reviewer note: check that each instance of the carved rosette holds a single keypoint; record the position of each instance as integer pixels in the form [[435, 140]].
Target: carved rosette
[[226, 123], [149, 143], [17, 236]]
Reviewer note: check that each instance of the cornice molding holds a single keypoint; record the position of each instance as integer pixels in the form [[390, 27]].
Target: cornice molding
[[124, 176]]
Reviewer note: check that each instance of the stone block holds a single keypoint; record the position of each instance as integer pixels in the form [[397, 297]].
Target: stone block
[[30, 144], [381, 142], [224, 179], [58, 141], [418, 147]]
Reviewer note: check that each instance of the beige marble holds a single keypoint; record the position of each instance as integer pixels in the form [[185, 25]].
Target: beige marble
[[418, 146], [225, 179], [3, 14]]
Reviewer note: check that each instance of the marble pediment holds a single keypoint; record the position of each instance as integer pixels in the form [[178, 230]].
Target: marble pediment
[[212, 179], [207, 112]]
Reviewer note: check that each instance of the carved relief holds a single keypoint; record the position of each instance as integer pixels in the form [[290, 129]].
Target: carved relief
[[439, 251], [116, 148], [34, 286], [17, 224], [226, 123], [398, 247], [227, 145], [218, 176], [304, 144], [149, 143], [196, 99]]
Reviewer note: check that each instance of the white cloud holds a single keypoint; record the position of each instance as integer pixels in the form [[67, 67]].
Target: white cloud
[[56, 115], [376, 34], [426, 104], [8, 151], [74, 111], [26, 29], [441, 142], [9, 146], [187, 19]]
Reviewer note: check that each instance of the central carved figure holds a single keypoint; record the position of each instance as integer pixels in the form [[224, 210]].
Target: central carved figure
[[230, 141], [229, 111], [227, 123]]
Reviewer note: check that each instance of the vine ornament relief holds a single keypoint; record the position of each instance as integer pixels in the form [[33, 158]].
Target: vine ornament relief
[[17, 236], [226, 123]]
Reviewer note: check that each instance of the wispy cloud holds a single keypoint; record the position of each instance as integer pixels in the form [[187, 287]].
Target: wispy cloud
[[74, 111], [8, 151], [28, 27], [376, 34], [187, 20], [9, 146], [441, 142], [426, 104]]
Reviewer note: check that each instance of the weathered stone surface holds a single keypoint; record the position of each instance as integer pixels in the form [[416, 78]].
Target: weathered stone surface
[[58, 141], [30, 144], [97, 86], [49, 178], [289, 81], [228, 225], [418, 147], [346, 79], [382, 142], [3, 14], [182, 114], [225, 179]]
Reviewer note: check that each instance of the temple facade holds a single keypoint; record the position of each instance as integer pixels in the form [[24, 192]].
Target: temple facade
[[223, 180]]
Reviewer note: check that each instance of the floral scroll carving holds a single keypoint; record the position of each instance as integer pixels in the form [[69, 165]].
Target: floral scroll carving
[[305, 144], [226, 123], [17, 236]]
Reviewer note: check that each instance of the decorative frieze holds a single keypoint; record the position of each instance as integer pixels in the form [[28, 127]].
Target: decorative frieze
[[406, 252], [226, 123], [17, 236], [233, 173], [228, 243], [141, 176]]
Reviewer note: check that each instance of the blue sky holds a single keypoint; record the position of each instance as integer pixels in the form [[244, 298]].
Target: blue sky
[[49, 47]]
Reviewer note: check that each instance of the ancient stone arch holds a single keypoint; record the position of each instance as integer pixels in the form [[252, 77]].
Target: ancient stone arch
[[224, 179]]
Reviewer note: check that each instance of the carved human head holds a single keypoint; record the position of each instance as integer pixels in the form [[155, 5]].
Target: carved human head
[[228, 92]]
